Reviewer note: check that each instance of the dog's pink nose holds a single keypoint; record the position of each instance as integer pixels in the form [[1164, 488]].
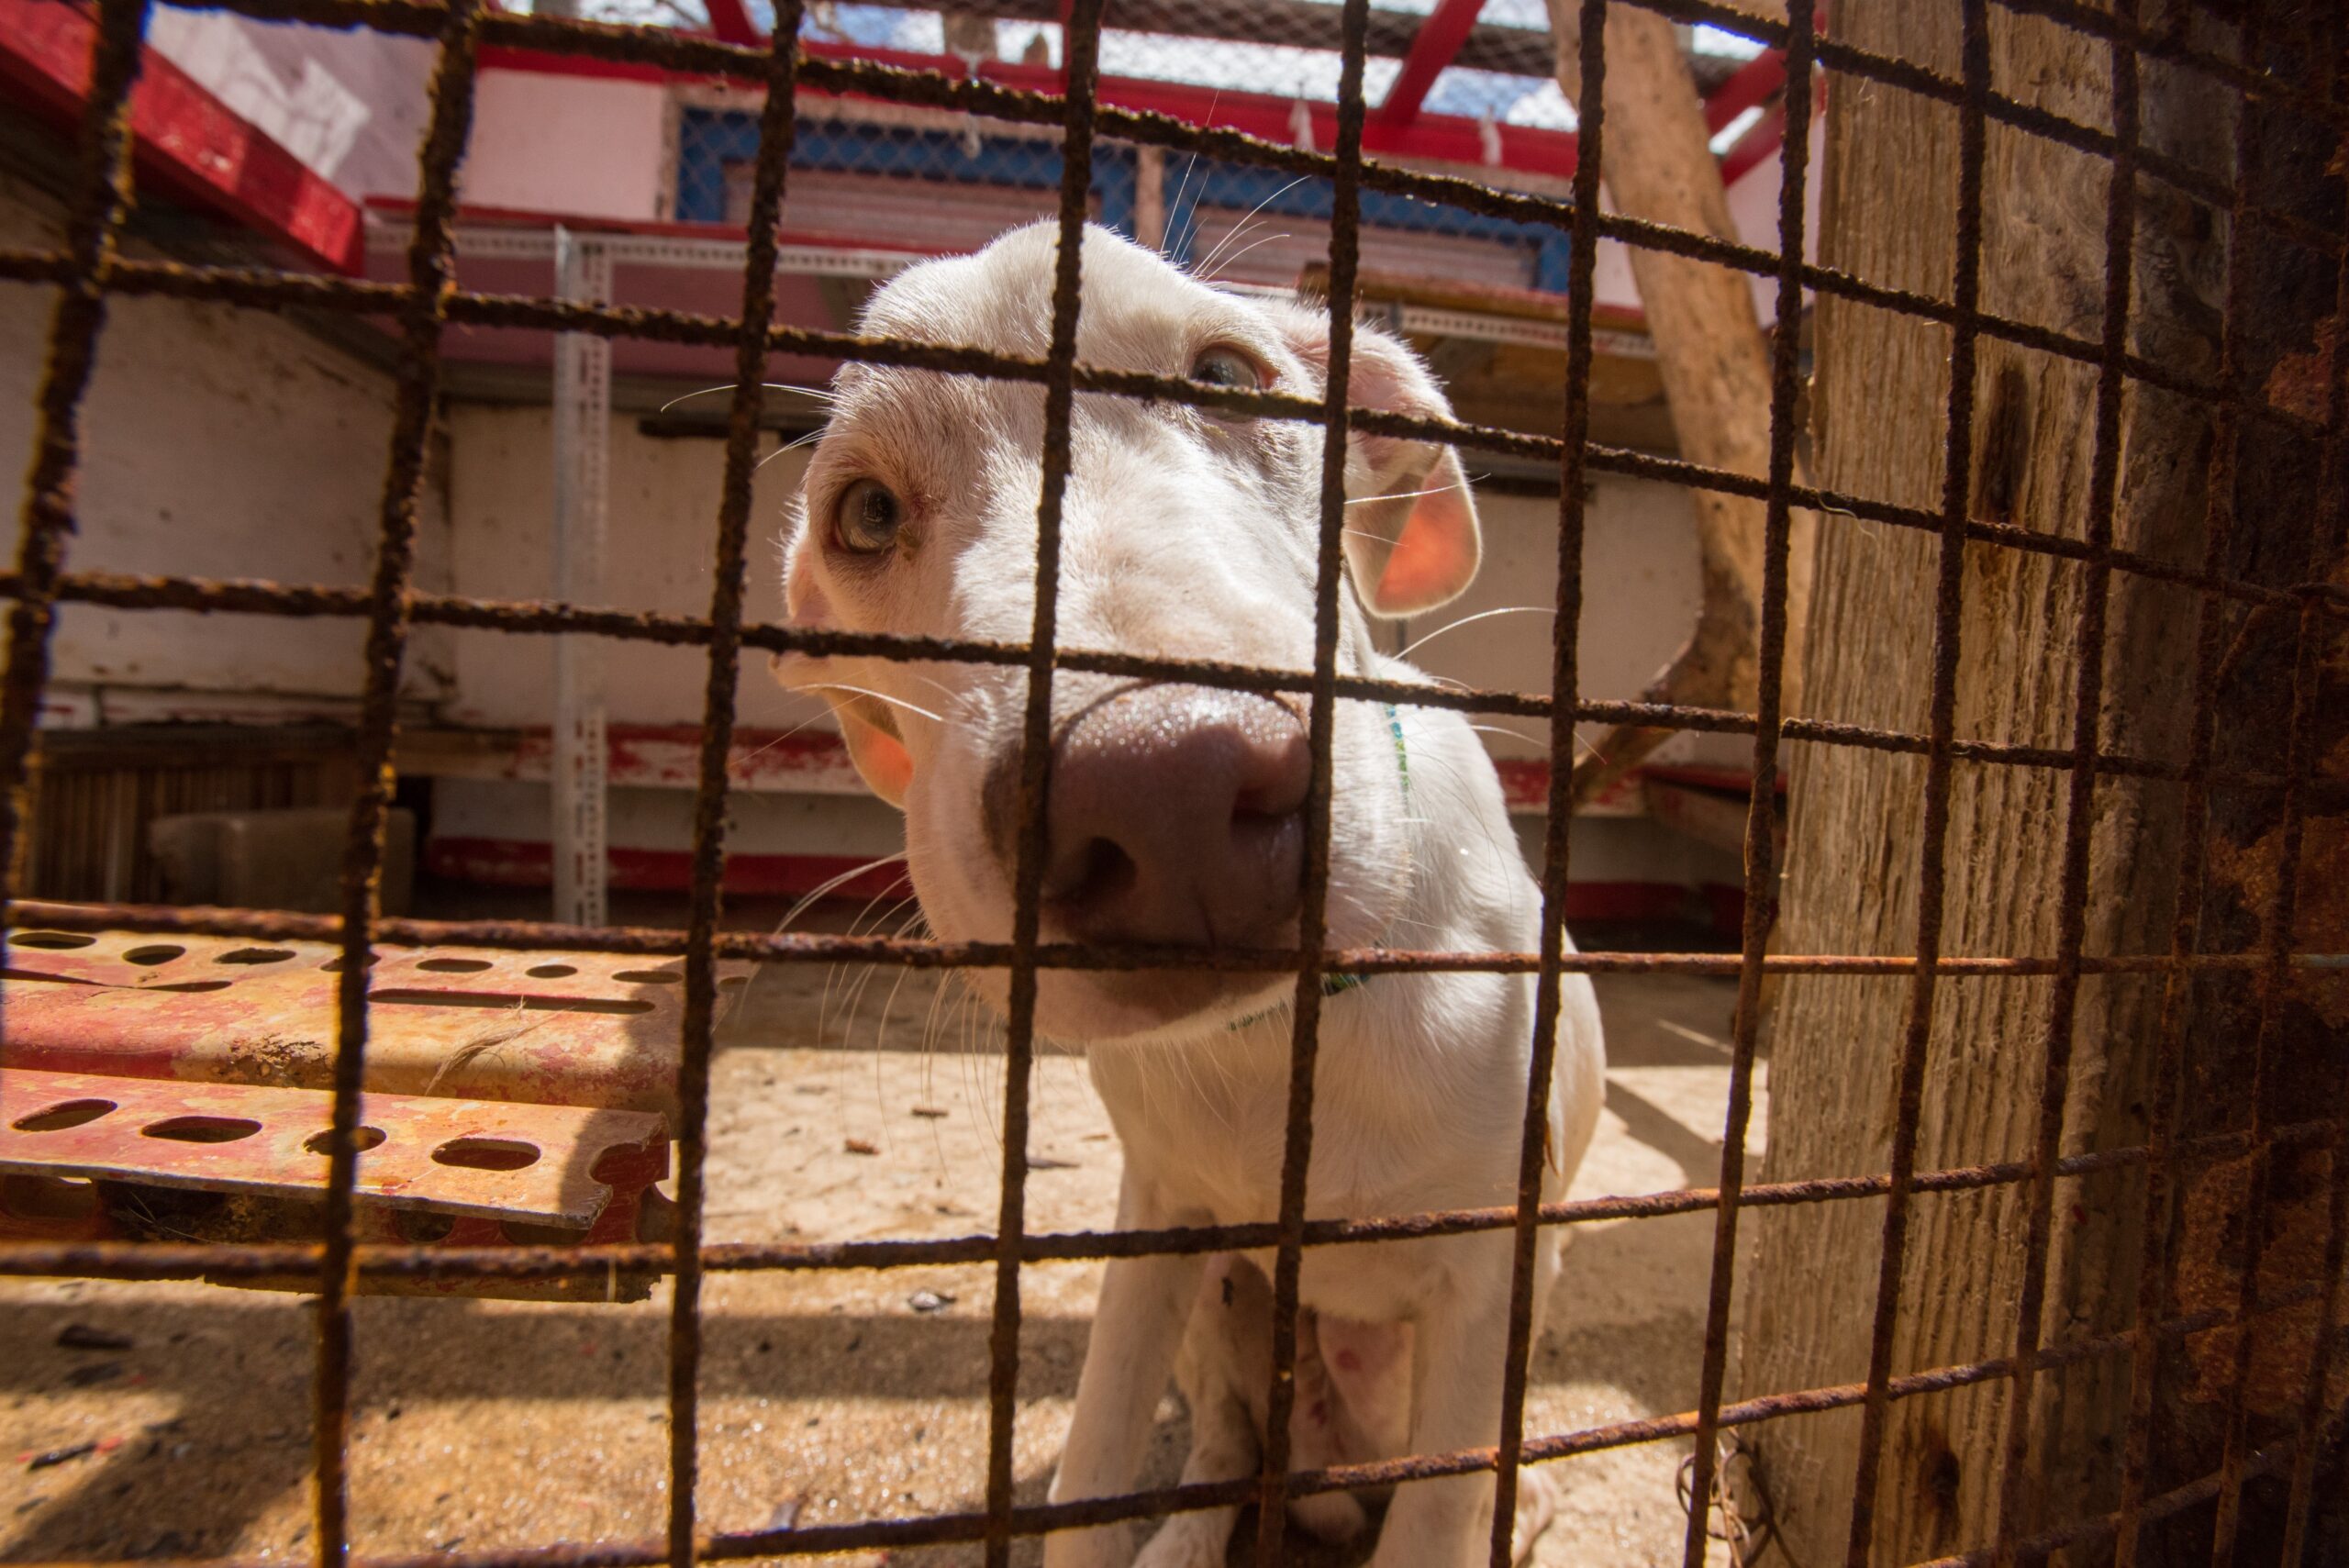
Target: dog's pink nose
[[1175, 816]]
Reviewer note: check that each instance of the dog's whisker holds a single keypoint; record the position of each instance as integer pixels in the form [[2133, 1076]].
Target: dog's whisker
[[1480, 614], [754, 756], [876, 696], [817, 393], [1504, 729], [1253, 211], [792, 446], [1235, 256], [1397, 496]]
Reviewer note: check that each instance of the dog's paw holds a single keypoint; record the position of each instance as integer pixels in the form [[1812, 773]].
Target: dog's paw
[[1187, 1540], [1334, 1517], [1105, 1546], [1537, 1505]]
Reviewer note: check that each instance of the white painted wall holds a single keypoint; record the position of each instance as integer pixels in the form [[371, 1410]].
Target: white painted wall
[[658, 551], [1752, 210], [580, 146], [1641, 587], [1753, 207], [217, 442]]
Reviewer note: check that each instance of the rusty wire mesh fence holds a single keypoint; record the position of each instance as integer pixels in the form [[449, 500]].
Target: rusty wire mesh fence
[[95, 267]]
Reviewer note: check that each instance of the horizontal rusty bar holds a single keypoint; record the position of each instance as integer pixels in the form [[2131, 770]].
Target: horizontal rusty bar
[[539, 1164], [556, 939], [154, 1261], [252, 597], [702, 54], [1034, 1519], [595, 1031], [264, 288]]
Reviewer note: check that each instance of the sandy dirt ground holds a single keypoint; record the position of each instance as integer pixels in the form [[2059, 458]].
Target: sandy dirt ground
[[825, 1396]]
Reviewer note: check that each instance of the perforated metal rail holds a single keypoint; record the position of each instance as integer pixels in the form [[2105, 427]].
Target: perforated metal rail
[[91, 268]]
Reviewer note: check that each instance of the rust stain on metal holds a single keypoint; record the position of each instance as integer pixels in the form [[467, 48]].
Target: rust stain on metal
[[477, 1157], [481, 1023]]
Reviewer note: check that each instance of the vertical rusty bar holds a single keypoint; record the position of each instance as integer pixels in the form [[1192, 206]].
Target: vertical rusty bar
[[1312, 927], [2336, 1246], [1565, 689], [1957, 448], [1081, 54], [776, 125], [2154, 1261], [1760, 812], [2015, 1489], [431, 264], [2274, 979], [102, 200]]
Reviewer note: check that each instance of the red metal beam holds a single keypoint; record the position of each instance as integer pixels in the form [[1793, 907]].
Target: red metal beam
[[1761, 143], [190, 145], [1450, 139], [1755, 82], [1432, 48], [731, 22]]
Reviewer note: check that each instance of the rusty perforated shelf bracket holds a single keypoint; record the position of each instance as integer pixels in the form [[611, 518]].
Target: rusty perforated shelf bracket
[[174, 1088]]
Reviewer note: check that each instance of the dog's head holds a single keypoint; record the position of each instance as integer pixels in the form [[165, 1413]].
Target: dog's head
[[1175, 811]]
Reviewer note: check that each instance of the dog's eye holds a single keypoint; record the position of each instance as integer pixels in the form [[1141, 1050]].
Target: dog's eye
[[1226, 367], [865, 520]]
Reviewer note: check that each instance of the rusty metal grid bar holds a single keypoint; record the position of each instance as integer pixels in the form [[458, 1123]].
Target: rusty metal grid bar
[[2273, 978], [1321, 716], [258, 288], [251, 597], [431, 268], [702, 54], [1565, 690], [2071, 13], [1940, 768], [1760, 816], [2017, 1493], [1035, 1520], [2155, 1260], [1081, 47], [270, 290], [666, 941], [262, 289], [2162, 1177], [2300, 771], [698, 1028], [100, 208], [154, 1261], [390, 608], [2333, 529]]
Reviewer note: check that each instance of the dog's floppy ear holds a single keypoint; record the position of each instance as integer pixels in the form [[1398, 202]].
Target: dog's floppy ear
[[874, 746], [1412, 534], [874, 743]]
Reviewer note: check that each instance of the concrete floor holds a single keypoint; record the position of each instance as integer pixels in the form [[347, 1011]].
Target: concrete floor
[[494, 1424]]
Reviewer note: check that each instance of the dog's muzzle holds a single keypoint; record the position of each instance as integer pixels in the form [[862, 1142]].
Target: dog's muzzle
[[1175, 815]]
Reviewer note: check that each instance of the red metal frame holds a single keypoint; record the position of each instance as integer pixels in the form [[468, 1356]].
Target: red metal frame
[[1433, 47], [1445, 139], [191, 146], [1755, 80], [197, 149]]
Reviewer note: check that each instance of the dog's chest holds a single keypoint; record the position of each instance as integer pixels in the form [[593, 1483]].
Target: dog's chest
[[1207, 1137]]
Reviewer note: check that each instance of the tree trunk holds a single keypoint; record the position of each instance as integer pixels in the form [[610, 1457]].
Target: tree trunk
[[1714, 362], [1879, 411]]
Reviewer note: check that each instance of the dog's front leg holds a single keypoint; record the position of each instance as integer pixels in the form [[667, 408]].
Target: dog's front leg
[[1137, 1330], [1455, 1404]]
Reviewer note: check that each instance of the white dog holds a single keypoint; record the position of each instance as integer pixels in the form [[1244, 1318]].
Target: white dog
[[1174, 816]]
